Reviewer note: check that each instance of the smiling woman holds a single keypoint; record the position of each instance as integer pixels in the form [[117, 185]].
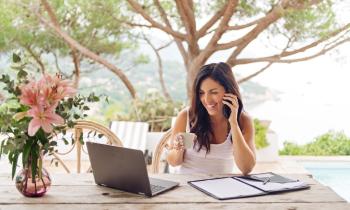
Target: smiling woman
[[225, 132]]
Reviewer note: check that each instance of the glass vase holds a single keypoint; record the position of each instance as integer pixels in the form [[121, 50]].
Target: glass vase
[[36, 187]]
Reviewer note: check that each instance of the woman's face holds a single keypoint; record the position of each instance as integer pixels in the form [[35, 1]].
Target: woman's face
[[211, 94]]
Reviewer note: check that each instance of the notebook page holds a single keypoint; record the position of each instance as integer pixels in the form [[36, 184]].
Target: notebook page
[[227, 187], [272, 186]]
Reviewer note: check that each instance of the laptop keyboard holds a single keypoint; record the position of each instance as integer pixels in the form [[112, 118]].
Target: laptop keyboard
[[156, 188]]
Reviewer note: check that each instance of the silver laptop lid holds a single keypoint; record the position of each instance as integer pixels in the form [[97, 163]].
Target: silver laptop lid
[[119, 167]]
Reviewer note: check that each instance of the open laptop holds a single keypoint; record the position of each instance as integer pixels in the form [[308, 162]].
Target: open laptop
[[124, 169]]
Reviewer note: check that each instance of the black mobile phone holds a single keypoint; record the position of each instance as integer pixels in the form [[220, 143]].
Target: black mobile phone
[[227, 111]]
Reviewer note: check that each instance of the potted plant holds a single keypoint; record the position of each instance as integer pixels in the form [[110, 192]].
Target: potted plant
[[34, 111]]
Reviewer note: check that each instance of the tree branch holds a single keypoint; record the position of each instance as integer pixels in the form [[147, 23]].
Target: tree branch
[[290, 40], [321, 52], [277, 57], [36, 58], [188, 20], [138, 8], [86, 52], [167, 22], [57, 65], [271, 17], [76, 62], [203, 30], [240, 81], [238, 27], [160, 68], [165, 46], [210, 48]]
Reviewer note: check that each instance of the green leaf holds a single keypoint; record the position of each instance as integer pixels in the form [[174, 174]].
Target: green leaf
[[34, 165], [65, 141], [53, 143], [14, 164], [26, 151], [16, 58], [100, 135], [40, 168], [2, 147], [88, 135], [22, 74], [81, 139]]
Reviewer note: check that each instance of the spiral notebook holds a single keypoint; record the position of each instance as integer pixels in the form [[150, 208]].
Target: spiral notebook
[[247, 186]]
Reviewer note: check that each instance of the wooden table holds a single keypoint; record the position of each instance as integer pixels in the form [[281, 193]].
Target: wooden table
[[78, 191]]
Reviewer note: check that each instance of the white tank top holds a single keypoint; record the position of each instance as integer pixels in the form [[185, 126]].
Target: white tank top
[[219, 160]]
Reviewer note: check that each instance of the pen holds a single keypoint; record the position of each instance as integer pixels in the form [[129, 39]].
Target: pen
[[266, 180]]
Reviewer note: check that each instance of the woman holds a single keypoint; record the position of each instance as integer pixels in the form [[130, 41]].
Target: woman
[[225, 132]]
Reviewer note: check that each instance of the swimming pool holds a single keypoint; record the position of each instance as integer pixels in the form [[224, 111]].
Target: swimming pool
[[333, 174]]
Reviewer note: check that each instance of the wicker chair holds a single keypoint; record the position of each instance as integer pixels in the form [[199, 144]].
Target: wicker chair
[[82, 131], [156, 159]]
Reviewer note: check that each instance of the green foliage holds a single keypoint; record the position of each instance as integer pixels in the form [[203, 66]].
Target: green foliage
[[14, 121], [93, 25], [312, 22], [153, 108], [330, 143], [260, 134]]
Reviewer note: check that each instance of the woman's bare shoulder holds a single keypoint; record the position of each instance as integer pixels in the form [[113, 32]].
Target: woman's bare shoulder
[[247, 121], [181, 120], [182, 114]]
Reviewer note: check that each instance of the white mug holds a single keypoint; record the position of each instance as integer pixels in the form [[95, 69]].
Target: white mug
[[188, 139]]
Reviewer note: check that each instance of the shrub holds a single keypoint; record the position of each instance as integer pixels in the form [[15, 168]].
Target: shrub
[[330, 143], [154, 109], [260, 134]]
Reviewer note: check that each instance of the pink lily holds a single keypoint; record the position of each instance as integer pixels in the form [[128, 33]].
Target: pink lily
[[43, 118], [54, 89], [29, 94]]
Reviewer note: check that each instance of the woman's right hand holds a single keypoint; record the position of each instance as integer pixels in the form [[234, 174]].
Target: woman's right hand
[[179, 144]]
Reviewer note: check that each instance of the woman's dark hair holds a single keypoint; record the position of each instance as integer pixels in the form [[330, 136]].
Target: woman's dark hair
[[199, 117]]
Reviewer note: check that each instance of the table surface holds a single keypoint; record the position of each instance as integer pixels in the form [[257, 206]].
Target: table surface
[[72, 191]]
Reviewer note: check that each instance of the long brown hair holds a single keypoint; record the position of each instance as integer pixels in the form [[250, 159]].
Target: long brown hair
[[199, 117]]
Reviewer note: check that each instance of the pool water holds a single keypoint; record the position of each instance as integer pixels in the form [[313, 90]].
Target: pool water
[[336, 175]]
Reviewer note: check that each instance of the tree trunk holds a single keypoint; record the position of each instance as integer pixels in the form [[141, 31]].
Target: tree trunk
[[192, 72]]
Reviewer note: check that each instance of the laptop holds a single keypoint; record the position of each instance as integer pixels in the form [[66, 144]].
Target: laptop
[[124, 169]]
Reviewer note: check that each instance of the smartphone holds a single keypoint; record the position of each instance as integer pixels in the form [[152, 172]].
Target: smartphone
[[189, 139], [227, 111]]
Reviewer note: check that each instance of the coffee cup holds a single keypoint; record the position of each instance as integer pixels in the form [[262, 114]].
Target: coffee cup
[[188, 139]]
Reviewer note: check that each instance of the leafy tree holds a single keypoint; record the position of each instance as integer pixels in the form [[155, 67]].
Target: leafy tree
[[88, 26], [234, 25], [305, 29]]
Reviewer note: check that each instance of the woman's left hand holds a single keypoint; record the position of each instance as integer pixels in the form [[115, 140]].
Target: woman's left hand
[[231, 101]]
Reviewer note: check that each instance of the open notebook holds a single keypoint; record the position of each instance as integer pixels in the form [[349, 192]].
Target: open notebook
[[246, 186]]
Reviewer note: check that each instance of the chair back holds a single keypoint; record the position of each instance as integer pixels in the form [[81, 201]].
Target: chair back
[[83, 131], [132, 134], [157, 154]]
